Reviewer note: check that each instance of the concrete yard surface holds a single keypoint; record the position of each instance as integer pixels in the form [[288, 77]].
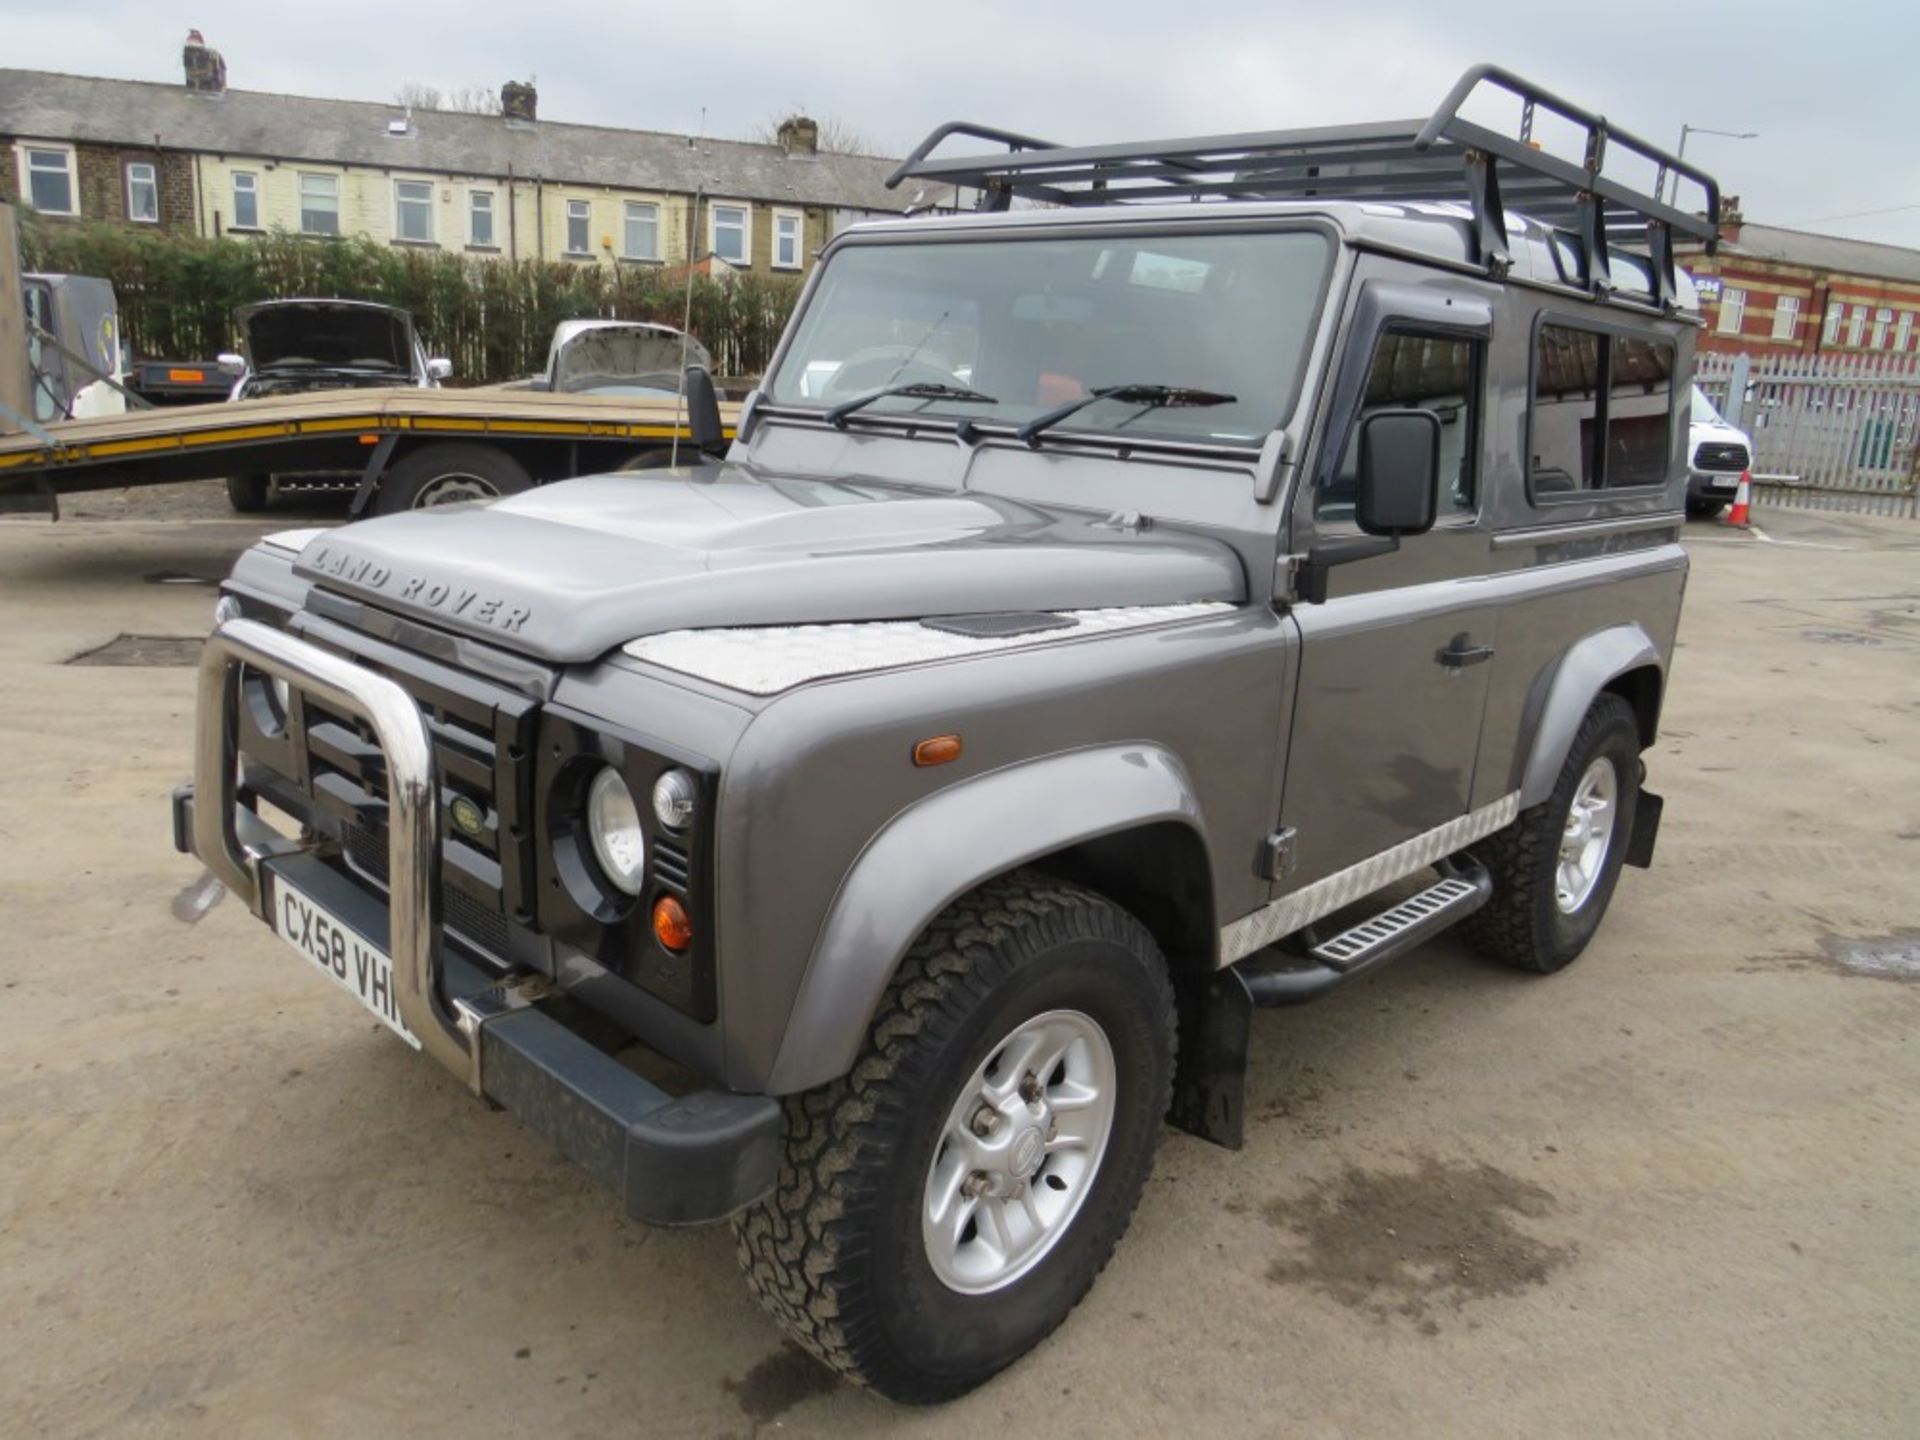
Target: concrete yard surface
[[1671, 1191]]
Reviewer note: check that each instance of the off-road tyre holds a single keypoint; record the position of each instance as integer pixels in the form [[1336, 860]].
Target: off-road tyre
[[249, 494], [836, 1253], [1522, 925], [413, 483]]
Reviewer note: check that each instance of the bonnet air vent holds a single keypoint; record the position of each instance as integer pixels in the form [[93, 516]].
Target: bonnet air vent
[[1000, 625]]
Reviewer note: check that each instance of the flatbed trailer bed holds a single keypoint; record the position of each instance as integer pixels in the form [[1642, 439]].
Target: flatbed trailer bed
[[552, 437]]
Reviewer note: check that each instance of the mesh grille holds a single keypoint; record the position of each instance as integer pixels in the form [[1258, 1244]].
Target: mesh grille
[[459, 911]]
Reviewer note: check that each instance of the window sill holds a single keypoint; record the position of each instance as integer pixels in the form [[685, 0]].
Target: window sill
[[483, 249], [142, 220], [651, 261], [246, 230], [319, 234], [415, 244], [576, 255], [795, 268]]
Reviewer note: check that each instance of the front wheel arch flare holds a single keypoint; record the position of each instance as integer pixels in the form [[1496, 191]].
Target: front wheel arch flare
[[941, 848]]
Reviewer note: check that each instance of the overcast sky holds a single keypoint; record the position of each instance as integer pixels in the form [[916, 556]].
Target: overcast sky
[[1828, 85]]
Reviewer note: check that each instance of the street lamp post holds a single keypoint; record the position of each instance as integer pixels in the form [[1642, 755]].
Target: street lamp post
[[1681, 153]]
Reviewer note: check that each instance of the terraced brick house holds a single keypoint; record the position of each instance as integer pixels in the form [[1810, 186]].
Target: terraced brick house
[[204, 158], [1771, 291]]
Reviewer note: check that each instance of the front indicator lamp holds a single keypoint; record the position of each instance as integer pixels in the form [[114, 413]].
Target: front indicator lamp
[[613, 824], [674, 794], [672, 926]]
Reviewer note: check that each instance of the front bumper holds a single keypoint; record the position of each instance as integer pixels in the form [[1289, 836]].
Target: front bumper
[[674, 1160], [1712, 484]]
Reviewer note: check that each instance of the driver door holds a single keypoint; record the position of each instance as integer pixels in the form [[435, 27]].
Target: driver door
[[1393, 677]]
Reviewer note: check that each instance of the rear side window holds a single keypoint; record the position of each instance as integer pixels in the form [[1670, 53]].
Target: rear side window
[[1602, 411]]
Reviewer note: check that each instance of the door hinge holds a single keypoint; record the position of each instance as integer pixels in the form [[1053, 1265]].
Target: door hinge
[[1278, 855]]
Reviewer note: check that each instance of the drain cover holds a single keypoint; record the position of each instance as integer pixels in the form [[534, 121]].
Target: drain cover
[[145, 650]]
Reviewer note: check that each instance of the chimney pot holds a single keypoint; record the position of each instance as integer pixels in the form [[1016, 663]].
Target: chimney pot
[[519, 101], [799, 136], [205, 70], [1731, 219]]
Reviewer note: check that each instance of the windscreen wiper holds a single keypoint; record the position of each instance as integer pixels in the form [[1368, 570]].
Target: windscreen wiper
[[1159, 397], [920, 390]]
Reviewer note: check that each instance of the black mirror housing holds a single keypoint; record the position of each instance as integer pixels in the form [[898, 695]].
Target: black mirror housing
[[703, 412], [1399, 472]]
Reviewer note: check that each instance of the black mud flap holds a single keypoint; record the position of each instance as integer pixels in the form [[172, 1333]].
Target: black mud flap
[[36, 497], [1210, 1084], [1646, 829]]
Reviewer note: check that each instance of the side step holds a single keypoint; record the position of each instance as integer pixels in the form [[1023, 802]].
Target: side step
[[1464, 886]]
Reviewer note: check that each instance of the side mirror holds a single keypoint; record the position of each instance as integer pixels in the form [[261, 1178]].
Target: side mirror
[[439, 368], [1399, 472], [230, 363], [703, 412]]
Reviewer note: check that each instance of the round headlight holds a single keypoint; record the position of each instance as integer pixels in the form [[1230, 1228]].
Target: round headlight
[[613, 823], [673, 797]]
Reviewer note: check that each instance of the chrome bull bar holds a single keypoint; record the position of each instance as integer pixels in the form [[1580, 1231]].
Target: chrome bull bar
[[413, 825]]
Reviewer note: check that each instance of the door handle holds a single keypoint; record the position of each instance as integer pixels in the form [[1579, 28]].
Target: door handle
[[1461, 652]]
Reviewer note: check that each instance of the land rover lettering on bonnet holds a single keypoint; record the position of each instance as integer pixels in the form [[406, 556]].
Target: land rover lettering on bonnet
[[1113, 614]]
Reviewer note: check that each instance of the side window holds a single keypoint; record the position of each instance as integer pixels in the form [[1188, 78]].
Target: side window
[[1588, 385], [1416, 371]]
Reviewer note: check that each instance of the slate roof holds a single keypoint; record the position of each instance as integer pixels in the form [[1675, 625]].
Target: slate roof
[[1825, 252], [42, 105]]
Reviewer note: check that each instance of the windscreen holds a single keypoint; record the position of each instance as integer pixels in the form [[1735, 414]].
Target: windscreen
[[1032, 325], [1703, 411]]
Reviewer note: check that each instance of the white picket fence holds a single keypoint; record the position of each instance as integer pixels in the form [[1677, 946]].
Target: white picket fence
[[1830, 432]]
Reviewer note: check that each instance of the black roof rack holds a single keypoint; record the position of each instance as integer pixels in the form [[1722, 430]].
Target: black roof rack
[[1444, 157]]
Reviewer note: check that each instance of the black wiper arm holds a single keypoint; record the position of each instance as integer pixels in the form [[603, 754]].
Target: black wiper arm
[[922, 390], [1165, 397]]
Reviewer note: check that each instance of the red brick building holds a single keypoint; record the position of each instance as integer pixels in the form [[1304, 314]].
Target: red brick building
[[1770, 291]]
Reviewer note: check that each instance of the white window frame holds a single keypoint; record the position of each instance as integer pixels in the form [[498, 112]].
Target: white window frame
[[25, 151], [1882, 322], [1830, 327], [427, 203], [251, 189], [799, 238], [745, 211], [1857, 326], [581, 210], [151, 183], [301, 184], [1733, 309], [629, 215], [1786, 316], [1903, 331], [475, 208]]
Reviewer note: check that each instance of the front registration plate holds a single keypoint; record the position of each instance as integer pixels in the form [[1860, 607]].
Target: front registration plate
[[325, 940]]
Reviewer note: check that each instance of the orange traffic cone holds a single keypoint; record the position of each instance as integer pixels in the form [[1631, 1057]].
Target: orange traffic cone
[[1741, 501]]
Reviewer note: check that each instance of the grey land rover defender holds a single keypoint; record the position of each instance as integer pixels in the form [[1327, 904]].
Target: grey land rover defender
[[1201, 575]]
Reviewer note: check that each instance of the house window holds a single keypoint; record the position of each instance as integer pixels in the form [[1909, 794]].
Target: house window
[[143, 193], [579, 224], [1733, 310], [46, 178], [319, 204], [246, 200], [729, 240], [480, 218], [786, 239], [1830, 332], [413, 211], [1786, 316], [1903, 331], [1857, 325], [1882, 320], [641, 240]]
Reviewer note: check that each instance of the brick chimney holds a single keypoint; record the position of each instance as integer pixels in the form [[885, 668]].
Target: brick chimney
[[519, 101], [799, 136], [206, 71], [1731, 219]]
